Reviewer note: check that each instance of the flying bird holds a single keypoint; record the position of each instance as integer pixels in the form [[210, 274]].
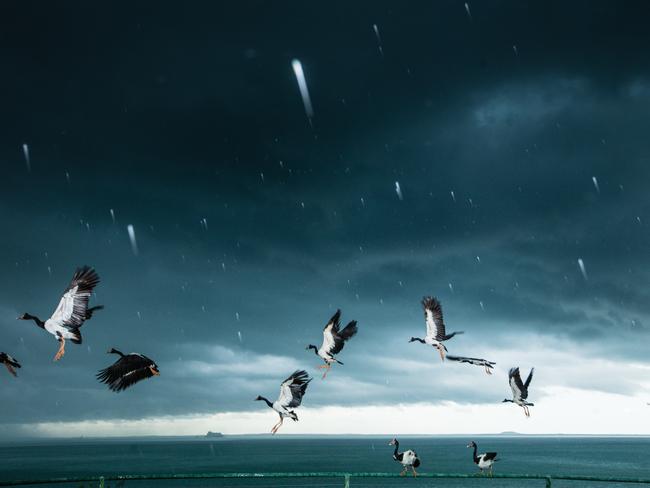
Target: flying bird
[[408, 459], [485, 460], [333, 341], [72, 311], [291, 392], [435, 326], [520, 389], [9, 362], [488, 365], [127, 370]]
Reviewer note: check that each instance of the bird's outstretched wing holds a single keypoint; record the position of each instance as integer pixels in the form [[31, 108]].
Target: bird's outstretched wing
[[529, 379], [293, 389], [474, 361], [330, 331], [342, 336], [517, 387], [433, 318], [127, 371], [72, 309], [9, 362], [488, 456]]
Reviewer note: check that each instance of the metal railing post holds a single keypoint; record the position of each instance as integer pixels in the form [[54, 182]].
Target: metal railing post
[[548, 482], [347, 481], [101, 482]]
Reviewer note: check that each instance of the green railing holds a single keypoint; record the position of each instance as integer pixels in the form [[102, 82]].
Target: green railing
[[345, 477]]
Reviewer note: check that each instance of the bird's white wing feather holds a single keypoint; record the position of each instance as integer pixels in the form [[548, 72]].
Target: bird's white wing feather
[[64, 313], [516, 392], [286, 395], [328, 338]]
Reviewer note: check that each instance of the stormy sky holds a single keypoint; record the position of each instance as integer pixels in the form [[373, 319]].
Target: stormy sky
[[519, 138]]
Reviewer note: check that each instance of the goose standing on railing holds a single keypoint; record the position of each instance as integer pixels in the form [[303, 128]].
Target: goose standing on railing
[[435, 326], [291, 392], [485, 460], [520, 389], [333, 341], [127, 370], [488, 365], [9, 362], [408, 459], [72, 311]]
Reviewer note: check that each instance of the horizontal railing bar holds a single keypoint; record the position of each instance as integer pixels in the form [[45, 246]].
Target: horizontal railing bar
[[143, 477]]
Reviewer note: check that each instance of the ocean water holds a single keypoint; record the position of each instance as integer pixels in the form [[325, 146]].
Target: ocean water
[[604, 456]]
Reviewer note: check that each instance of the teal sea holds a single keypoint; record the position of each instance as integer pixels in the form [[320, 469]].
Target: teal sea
[[594, 456]]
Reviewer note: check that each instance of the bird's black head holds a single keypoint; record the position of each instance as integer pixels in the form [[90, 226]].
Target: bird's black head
[[311, 346], [24, 316], [471, 444], [413, 339], [259, 398], [393, 442], [506, 400]]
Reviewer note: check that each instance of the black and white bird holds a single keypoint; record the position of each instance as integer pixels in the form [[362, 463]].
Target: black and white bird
[[9, 362], [485, 460], [488, 365], [333, 341], [72, 311], [291, 392], [436, 334], [520, 389], [127, 370], [408, 459]]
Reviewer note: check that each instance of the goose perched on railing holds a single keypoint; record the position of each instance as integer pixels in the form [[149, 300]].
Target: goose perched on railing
[[291, 392], [408, 459], [488, 365], [436, 334], [520, 389], [72, 311], [333, 341], [485, 460], [127, 370], [9, 362]]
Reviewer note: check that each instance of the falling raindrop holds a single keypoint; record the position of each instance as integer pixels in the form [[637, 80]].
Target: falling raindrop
[[583, 270], [453, 196], [262, 176], [451, 287], [112, 215], [379, 44], [302, 85], [482, 306], [28, 161], [514, 48], [478, 259], [49, 270], [237, 316], [469, 14], [398, 190], [67, 177], [363, 202], [134, 244], [239, 335], [595, 182], [139, 315]]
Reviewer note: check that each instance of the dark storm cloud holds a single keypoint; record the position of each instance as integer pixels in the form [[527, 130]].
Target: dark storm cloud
[[169, 116]]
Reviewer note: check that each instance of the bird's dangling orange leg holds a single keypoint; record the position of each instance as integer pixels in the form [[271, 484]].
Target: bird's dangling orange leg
[[487, 370], [10, 369], [61, 350], [403, 471], [415, 474], [441, 350], [327, 370]]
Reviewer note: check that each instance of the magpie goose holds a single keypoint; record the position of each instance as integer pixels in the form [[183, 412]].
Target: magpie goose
[[72, 311], [9, 362], [488, 365], [435, 326], [485, 460], [333, 341], [520, 389], [408, 459], [291, 392], [127, 370]]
